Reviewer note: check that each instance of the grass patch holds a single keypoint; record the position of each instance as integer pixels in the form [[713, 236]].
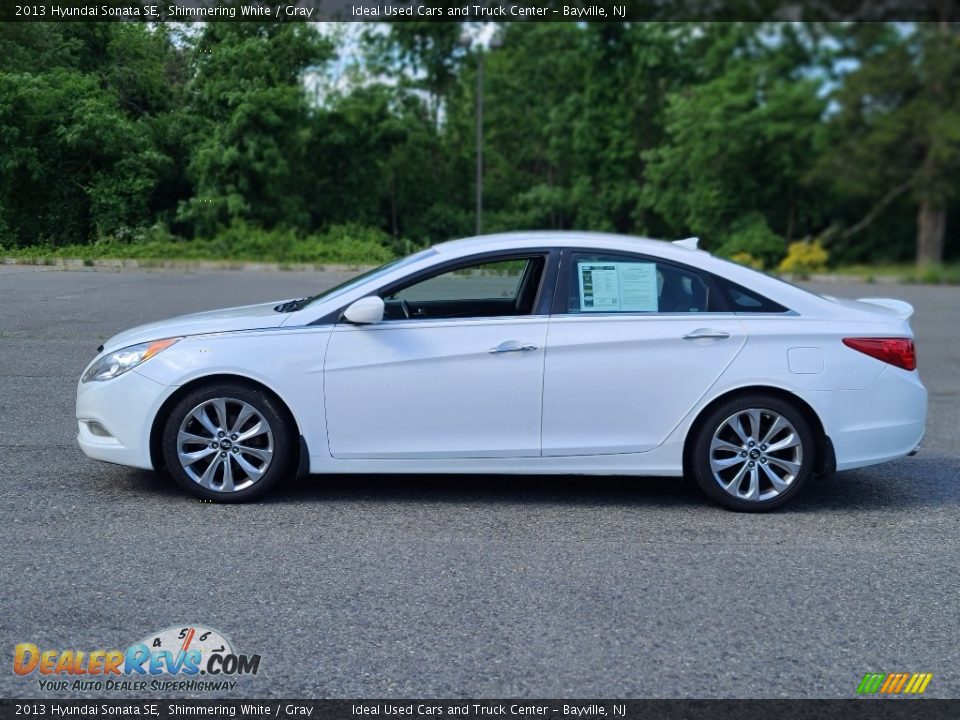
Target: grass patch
[[340, 245], [942, 274], [937, 275]]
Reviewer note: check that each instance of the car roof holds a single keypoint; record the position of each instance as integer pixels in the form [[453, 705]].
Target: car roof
[[559, 238]]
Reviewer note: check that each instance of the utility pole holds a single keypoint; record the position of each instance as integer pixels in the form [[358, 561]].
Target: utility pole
[[479, 141], [495, 42]]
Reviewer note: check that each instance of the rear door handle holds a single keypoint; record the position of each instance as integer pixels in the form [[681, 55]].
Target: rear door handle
[[511, 346], [706, 334]]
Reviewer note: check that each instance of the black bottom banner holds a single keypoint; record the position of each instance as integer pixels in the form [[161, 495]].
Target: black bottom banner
[[860, 709]]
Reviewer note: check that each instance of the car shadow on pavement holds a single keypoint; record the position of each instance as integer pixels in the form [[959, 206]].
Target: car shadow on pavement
[[927, 480], [912, 482], [460, 489], [507, 489]]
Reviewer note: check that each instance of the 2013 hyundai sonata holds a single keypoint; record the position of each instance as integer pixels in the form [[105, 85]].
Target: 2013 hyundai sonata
[[518, 353]]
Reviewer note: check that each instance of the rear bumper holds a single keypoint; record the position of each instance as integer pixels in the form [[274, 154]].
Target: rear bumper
[[883, 422]]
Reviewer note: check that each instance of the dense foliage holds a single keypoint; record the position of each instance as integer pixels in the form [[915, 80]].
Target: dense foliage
[[845, 137]]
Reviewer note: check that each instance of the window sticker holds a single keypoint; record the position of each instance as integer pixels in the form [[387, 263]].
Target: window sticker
[[617, 286]]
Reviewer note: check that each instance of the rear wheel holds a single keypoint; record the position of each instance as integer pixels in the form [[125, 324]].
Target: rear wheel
[[753, 453], [228, 442]]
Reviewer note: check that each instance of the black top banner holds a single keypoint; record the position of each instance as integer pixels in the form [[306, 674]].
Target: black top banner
[[478, 10], [486, 709]]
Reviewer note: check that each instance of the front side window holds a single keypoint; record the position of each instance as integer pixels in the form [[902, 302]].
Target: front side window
[[492, 288], [625, 284]]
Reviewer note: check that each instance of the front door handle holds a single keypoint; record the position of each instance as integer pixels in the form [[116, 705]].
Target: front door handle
[[511, 346], [706, 334]]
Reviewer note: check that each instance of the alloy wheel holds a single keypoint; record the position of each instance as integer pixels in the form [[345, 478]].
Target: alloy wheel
[[756, 454], [225, 445]]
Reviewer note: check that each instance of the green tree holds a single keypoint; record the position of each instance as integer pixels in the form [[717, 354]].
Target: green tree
[[413, 70], [620, 115], [419, 56], [249, 124], [79, 158], [896, 133], [740, 142], [353, 136], [568, 112], [528, 84]]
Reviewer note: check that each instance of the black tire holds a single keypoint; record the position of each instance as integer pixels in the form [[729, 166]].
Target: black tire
[[271, 451], [738, 494]]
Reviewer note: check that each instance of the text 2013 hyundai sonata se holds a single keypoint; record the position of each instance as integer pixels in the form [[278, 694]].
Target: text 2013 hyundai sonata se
[[519, 353]]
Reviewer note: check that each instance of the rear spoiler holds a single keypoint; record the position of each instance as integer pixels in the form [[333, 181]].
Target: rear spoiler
[[903, 309]]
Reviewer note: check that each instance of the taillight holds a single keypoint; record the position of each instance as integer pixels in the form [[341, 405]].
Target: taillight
[[896, 351]]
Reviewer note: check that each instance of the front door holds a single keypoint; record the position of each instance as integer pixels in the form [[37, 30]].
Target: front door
[[454, 370]]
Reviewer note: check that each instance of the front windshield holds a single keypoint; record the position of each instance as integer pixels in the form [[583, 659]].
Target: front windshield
[[368, 275]]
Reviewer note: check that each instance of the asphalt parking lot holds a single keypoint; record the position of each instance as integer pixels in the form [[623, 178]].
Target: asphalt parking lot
[[464, 586]]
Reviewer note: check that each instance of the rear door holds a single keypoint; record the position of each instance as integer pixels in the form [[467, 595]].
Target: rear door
[[633, 344]]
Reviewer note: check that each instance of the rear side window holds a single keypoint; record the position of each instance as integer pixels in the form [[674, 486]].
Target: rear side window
[[627, 284], [739, 299]]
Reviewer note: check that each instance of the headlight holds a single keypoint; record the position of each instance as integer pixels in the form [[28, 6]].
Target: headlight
[[119, 361]]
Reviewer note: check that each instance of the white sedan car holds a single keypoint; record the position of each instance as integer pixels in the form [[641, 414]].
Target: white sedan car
[[519, 353]]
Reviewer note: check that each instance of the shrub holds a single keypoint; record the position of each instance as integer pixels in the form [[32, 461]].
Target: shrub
[[752, 235], [805, 257], [348, 243]]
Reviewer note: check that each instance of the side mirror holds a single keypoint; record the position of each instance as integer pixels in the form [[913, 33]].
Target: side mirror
[[365, 311]]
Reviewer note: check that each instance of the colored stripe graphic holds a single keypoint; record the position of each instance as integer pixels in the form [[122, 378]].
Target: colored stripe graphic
[[901, 681], [870, 683], [922, 685], [894, 683]]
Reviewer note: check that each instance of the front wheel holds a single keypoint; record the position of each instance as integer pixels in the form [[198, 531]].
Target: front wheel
[[753, 453], [228, 443]]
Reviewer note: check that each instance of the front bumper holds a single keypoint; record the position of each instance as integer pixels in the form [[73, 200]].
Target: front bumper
[[115, 417]]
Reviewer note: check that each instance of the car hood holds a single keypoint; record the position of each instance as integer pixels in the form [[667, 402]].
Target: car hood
[[247, 317]]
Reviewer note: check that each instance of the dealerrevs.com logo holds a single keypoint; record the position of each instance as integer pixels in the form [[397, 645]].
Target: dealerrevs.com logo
[[195, 657]]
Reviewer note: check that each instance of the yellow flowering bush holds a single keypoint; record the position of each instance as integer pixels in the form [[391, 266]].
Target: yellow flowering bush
[[805, 257]]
